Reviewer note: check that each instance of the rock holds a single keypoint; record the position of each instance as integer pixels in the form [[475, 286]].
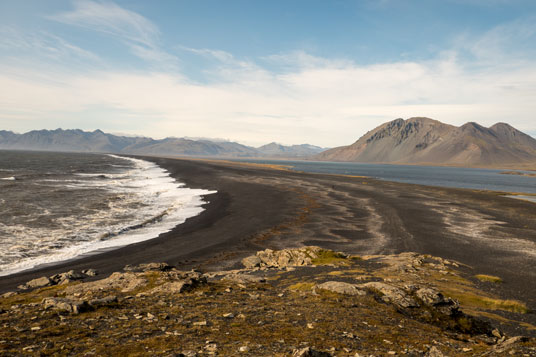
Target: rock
[[309, 352], [67, 277], [282, 258], [200, 323], [252, 262], [148, 267], [434, 352], [341, 288], [391, 294], [37, 283], [9, 294], [430, 296], [67, 305], [496, 333], [90, 272], [243, 349], [105, 301], [509, 343], [123, 282], [435, 299], [244, 278]]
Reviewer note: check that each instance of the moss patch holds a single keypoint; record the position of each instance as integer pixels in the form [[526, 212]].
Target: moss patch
[[488, 278], [329, 257]]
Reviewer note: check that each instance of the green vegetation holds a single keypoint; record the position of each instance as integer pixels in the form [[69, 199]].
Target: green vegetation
[[328, 257], [488, 278]]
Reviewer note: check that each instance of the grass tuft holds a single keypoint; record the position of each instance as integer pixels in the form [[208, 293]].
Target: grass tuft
[[302, 287], [329, 257], [488, 278]]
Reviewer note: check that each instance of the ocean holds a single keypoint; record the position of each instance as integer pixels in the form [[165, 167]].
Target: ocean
[[58, 206]]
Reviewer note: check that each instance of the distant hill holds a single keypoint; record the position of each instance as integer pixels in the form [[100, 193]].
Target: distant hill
[[98, 141], [428, 141], [277, 150]]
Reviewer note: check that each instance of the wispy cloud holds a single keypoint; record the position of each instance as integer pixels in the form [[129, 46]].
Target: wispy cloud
[[133, 29], [42, 44], [289, 97]]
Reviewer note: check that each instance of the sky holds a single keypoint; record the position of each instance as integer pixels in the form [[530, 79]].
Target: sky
[[290, 71]]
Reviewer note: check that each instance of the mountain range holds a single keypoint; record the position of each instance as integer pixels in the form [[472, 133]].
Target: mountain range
[[413, 141], [98, 141], [427, 141]]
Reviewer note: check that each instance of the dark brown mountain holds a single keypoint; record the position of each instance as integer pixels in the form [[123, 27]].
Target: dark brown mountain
[[428, 141]]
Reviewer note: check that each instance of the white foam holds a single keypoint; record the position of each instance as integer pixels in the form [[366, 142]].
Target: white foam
[[12, 178], [163, 204]]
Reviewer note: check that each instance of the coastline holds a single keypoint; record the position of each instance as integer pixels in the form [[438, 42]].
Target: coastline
[[259, 207]]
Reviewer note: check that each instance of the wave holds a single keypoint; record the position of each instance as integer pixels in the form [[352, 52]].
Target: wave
[[150, 199]]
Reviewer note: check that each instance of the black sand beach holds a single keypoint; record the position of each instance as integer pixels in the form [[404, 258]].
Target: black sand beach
[[258, 207]]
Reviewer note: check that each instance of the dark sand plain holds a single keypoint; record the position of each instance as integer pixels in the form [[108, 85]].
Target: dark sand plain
[[259, 207]]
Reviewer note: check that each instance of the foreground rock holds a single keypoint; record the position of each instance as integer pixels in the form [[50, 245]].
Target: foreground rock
[[283, 258], [378, 305]]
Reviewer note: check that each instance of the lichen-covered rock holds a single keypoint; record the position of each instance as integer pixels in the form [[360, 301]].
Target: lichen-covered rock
[[391, 294], [148, 267], [282, 258], [124, 282], [67, 305], [435, 299], [252, 261], [105, 301], [66, 277], [244, 278], [37, 283], [341, 288]]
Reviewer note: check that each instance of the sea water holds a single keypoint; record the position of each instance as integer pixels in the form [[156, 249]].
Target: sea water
[[57, 206], [442, 176]]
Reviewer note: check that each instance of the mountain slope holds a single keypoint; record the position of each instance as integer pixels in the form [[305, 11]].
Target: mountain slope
[[98, 141], [428, 141], [277, 150]]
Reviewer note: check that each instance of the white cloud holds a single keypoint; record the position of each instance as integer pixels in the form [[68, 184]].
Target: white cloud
[[290, 97], [134, 30]]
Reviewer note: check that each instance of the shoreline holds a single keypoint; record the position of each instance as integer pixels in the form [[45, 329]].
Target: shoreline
[[259, 207]]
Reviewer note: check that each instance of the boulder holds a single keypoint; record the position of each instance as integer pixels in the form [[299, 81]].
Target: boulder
[[105, 301], [391, 294], [148, 267], [37, 283], [90, 272], [435, 299], [282, 258], [66, 305], [66, 277], [252, 262], [341, 288], [244, 278]]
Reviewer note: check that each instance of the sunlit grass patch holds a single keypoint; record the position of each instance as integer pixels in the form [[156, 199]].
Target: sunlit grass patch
[[488, 278], [329, 257], [301, 286], [488, 303]]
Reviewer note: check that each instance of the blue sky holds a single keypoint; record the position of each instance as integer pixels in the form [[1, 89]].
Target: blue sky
[[321, 72]]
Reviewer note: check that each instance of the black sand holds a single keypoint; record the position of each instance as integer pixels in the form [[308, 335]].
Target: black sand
[[257, 208]]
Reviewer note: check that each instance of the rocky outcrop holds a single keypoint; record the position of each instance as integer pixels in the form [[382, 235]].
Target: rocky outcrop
[[62, 278], [391, 294], [347, 309], [282, 258], [341, 288]]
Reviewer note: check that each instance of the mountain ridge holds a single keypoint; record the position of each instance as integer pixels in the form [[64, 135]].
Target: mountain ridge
[[421, 140], [76, 140]]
